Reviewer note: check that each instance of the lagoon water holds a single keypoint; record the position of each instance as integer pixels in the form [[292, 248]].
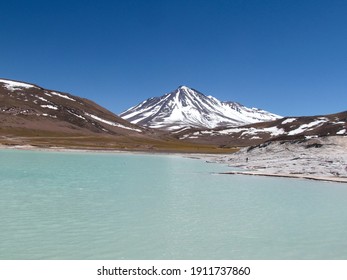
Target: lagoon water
[[57, 205]]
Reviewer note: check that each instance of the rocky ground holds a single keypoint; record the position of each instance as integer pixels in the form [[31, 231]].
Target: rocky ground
[[323, 158]]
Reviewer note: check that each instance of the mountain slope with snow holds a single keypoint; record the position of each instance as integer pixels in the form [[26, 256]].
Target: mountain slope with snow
[[185, 107], [29, 104], [285, 129]]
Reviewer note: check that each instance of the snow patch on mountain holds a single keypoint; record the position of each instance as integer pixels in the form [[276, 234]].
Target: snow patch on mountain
[[305, 127], [13, 85], [62, 95], [49, 107], [289, 120], [111, 123]]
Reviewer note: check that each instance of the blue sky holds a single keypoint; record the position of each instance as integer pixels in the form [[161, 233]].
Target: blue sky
[[285, 56]]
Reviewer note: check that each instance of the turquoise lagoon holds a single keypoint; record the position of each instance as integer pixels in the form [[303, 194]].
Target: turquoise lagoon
[[59, 205]]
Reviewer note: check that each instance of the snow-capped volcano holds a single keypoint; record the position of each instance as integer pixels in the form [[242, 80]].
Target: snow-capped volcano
[[186, 107]]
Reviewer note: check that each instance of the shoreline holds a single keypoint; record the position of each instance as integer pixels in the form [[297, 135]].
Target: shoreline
[[208, 158], [290, 176], [191, 155]]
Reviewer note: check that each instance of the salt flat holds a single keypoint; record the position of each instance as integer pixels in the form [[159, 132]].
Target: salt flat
[[323, 158]]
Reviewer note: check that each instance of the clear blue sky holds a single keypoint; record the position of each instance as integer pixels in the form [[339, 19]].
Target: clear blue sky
[[285, 56]]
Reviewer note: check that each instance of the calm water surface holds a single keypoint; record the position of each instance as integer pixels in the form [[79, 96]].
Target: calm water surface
[[123, 206]]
